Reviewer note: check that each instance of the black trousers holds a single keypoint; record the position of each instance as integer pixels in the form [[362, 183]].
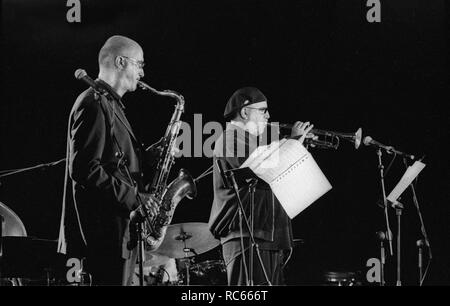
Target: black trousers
[[238, 266]]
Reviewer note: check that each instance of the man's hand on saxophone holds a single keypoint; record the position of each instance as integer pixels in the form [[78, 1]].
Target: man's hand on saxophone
[[151, 204], [151, 208], [156, 148]]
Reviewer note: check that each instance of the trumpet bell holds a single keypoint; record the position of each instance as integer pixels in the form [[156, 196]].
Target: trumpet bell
[[358, 137], [355, 137]]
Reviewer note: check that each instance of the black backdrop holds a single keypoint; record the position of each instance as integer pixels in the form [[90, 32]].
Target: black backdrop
[[319, 61]]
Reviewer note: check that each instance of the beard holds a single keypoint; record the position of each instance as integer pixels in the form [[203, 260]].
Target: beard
[[256, 128], [261, 127]]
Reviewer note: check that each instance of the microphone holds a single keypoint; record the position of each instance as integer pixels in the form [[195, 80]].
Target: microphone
[[420, 243], [222, 174], [81, 74], [369, 141], [381, 235]]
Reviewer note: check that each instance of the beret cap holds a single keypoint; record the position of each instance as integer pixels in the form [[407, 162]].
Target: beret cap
[[243, 97]]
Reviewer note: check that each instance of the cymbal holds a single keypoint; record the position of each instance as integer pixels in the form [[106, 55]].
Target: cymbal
[[13, 225], [187, 239]]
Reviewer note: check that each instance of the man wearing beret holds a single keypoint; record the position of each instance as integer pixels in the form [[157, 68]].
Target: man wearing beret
[[248, 113]]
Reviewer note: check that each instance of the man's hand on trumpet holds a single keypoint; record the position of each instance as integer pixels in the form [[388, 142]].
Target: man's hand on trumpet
[[301, 129]]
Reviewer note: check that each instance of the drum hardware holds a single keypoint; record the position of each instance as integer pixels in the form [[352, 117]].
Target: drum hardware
[[183, 241], [187, 263], [156, 278], [157, 270], [14, 234], [183, 236], [209, 272], [29, 260], [85, 277]]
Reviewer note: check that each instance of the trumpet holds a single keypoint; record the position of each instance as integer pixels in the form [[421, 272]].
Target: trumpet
[[330, 139]]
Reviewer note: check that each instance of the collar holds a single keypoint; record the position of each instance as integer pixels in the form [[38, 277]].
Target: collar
[[111, 92], [236, 124]]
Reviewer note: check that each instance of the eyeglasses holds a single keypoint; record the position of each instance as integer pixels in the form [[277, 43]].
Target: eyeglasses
[[139, 64], [263, 110]]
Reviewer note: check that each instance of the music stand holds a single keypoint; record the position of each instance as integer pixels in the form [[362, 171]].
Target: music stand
[[406, 180]]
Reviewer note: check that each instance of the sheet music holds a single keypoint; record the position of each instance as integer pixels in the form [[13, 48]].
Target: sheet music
[[410, 174], [292, 173]]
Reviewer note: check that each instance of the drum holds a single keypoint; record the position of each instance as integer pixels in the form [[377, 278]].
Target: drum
[[158, 271], [209, 273], [340, 279]]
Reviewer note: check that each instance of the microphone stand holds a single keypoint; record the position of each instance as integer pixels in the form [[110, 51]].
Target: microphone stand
[[420, 244], [139, 224], [229, 174], [386, 216], [252, 187], [382, 238], [398, 212], [425, 240]]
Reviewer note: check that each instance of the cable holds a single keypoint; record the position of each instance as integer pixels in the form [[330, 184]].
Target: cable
[[426, 271], [205, 173], [390, 164], [14, 171]]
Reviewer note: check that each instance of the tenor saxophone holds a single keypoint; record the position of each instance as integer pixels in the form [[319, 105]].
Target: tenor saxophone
[[168, 196]]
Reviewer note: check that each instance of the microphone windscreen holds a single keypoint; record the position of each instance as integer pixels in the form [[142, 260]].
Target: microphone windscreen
[[80, 73]]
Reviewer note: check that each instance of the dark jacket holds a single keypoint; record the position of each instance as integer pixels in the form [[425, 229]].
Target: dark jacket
[[271, 222], [102, 191]]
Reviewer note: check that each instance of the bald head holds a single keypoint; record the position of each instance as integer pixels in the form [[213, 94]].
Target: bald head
[[121, 63], [115, 46]]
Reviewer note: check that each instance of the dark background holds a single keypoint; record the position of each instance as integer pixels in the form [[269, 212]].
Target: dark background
[[318, 61]]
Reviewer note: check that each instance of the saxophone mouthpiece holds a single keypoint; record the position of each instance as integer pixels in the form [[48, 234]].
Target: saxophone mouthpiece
[[169, 93]]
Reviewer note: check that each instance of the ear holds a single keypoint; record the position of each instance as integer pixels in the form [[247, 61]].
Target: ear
[[119, 62], [243, 113]]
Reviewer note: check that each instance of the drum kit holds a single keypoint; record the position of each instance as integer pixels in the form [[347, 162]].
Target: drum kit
[[23, 259], [181, 259], [175, 261]]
